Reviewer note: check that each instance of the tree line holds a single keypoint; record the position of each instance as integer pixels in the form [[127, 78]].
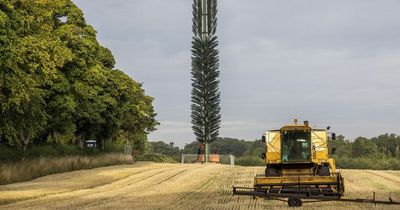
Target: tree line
[[246, 152], [59, 85], [381, 152]]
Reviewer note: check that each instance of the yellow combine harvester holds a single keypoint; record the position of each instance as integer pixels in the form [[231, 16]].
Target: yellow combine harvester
[[298, 167], [297, 160]]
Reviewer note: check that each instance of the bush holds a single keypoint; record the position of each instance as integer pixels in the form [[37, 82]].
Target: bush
[[29, 169], [249, 161], [158, 158], [111, 147], [375, 163], [8, 154], [43, 151], [160, 147]]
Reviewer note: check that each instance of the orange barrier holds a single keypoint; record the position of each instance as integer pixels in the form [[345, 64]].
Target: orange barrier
[[213, 158]]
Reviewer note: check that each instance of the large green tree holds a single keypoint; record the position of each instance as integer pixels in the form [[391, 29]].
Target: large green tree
[[363, 147], [57, 81], [205, 63]]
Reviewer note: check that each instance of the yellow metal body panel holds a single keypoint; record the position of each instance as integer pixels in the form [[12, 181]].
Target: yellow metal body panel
[[288, 171], [295, 127], [319, 149], [273, 144], [332, 164], [304, 180]]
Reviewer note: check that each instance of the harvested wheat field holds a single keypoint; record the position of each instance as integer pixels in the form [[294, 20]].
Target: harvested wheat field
[[174, 186]]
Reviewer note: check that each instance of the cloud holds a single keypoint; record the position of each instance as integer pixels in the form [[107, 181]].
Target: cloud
[[333, 63], [173, 131]]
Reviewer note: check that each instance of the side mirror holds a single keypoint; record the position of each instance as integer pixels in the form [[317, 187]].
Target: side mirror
[[263, 156], [263, 139], [333, 136]]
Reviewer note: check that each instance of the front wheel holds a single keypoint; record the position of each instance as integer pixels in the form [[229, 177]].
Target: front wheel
[[272, 172], [324, 171]]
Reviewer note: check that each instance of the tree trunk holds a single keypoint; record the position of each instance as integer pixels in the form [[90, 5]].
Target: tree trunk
[[55, 137], [24, 140], [79, 138]]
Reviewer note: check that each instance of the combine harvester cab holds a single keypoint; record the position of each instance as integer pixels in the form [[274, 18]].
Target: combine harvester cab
[[298, 167]]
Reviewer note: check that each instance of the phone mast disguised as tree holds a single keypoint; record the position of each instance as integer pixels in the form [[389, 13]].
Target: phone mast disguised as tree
[[205, 107]]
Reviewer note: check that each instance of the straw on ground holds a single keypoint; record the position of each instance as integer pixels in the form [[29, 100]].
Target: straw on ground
[[148, 185]]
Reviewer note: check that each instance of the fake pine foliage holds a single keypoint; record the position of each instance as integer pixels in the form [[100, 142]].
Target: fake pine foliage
[[205, 63]]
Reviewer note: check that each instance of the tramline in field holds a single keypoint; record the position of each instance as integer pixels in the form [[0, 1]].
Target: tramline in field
[[298, 167]]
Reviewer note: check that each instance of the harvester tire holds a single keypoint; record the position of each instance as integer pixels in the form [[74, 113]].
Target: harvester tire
[[272, 172], [324, 171], [340, 181], [294, 202]]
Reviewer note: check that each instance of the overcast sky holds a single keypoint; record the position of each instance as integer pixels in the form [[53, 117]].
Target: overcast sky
[[333, 63]]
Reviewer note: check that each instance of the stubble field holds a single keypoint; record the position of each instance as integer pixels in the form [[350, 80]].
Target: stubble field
[[174, 186]]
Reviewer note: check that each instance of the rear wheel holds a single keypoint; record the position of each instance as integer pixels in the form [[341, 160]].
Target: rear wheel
[[294, 202]]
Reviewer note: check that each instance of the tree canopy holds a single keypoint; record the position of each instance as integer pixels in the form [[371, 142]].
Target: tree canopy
[[57, 83]]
